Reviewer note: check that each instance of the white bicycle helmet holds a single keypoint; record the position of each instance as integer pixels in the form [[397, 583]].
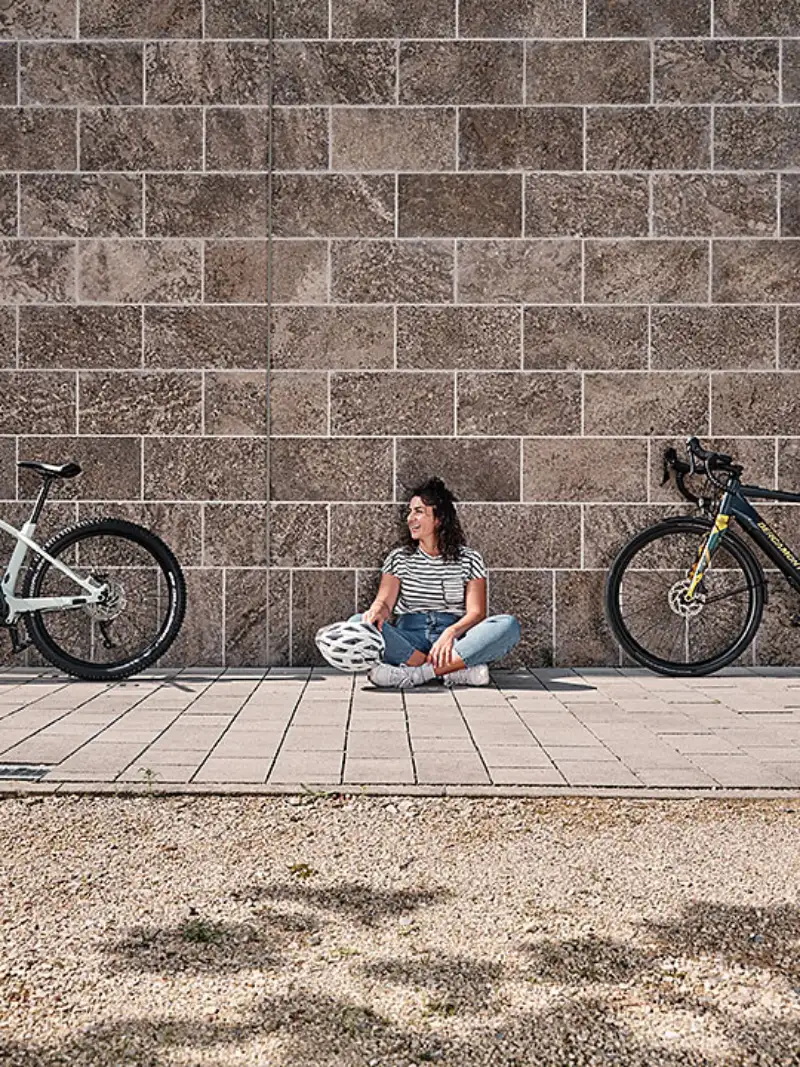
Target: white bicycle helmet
[[351, 646]]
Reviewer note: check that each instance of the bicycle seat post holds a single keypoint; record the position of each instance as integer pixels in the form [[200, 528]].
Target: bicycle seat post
[[41, 500]]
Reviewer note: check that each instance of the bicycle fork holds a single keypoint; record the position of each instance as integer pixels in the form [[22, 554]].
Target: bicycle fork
[[706, 551]]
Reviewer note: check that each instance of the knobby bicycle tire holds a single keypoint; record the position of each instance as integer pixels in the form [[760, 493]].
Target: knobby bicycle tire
[[161, 582], [672, 570]]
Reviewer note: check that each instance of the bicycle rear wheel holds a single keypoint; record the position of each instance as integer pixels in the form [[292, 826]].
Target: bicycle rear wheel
[[654, 623], [141, 617]]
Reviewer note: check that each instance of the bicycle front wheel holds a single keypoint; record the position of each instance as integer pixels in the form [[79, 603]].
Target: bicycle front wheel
[[140, 617], [653, 620]]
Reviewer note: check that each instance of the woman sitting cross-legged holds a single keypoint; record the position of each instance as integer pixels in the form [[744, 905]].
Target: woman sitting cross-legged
[[437, 588]]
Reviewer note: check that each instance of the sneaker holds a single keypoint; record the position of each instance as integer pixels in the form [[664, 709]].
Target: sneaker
[[477, 675], [387, 675]]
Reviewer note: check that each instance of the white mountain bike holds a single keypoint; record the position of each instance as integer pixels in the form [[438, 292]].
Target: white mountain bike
[[100, 600]]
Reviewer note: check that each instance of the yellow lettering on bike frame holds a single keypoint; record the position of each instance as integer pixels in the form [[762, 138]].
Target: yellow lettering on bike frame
[[704, 554]]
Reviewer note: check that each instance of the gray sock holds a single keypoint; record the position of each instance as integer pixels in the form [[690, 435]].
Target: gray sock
[[422, 674]]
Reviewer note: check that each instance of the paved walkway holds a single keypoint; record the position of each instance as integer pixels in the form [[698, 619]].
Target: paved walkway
[[537, 732]]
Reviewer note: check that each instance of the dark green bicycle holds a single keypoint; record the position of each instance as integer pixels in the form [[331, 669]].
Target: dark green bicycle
[[686, 596]]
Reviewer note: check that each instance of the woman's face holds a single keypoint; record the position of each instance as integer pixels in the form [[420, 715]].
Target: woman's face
[[421, 521]]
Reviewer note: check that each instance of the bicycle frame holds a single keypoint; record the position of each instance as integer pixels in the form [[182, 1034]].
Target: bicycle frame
[[735, 504], [17, 606]]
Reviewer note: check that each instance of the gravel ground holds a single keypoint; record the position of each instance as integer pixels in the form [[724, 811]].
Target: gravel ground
[[334, 931]]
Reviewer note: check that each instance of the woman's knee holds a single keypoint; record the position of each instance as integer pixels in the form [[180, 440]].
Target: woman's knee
[[509, 625]]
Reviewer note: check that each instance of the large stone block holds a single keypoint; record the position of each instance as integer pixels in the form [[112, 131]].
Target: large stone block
[[329, 469], [473, 469], [141, 138], [393, 139], [757, 138], [528, 595], [41, 400], [756, 271], [80, 205], [658, 272], [333, 205], [645, 403], [238, 138], [590, 205], [582, 633], [387, 403], [81, 73], [8, 74], [587, 72], [522, 402], [235, 535], [407, 272], [517, 138], [517, 272], [246, 618], [524, 535], [35, 138], [111, 466], [147, 402], [459, 205], [214, 337], [299, 403], [37, 272], [211, 468], [141, 18], [700, 205], [235, 403], [461, 72], [208, 72], [585, 338], [640, 18], [756, 18], [584, 469], [318, 598], [321, 338], [361, 535], [206, 205], [521, 18], [648, 138], [716, 72], [134, 272], [298, 535], [713, 338], [200, 644], [393, 18], [755, 404], [459, 338], [335, 72], [40, 18]]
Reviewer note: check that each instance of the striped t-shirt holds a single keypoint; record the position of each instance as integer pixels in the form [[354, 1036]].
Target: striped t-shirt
[[428, 583]]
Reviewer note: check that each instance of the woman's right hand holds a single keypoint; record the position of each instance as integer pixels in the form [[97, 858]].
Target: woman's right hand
[[375, 615]]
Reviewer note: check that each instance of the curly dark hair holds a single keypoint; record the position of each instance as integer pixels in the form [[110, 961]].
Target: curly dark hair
[[449, 534]]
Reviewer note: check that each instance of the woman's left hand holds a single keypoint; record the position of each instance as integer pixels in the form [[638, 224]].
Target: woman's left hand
[[441, 653]]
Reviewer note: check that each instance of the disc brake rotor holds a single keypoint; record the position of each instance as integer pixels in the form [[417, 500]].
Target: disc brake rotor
[[112, 604], [678, 603]]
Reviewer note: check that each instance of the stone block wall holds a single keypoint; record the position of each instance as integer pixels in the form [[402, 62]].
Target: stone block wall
[[522, 245]]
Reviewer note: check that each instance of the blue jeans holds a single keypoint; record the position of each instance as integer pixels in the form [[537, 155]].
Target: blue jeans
[[484, 642]]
